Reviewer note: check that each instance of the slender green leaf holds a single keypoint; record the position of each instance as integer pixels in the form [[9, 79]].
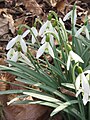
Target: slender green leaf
[[63, 106]]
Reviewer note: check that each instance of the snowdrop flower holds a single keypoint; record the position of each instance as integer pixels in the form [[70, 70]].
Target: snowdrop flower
[[45, 47], [15, 56], [83, 29], [51, 40], [46, 26], [35, 32], [73, 56], [12, 55], [82, 85], [70, 15], [18, 38]]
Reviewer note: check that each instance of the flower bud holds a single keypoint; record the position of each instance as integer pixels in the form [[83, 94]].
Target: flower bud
[[69, 47], [50, 16], [47, 38], [54, 23], [19, 32], [79, 69]]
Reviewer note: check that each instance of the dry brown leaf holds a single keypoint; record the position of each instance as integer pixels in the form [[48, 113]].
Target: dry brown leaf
[[2, 62], [10, 22], [3, 26], [33, 6], [19, 21], [27, 112], [6, 23], [67, 92], [61, 6]]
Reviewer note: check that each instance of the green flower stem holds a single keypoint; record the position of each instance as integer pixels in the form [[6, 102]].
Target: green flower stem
[[73, 27], [32, 60], [79, 97]]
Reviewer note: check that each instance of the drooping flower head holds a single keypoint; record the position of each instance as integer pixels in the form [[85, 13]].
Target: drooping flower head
[[47, 42], [46, 26], [71, 15], [35, 34], [73, 57], [83, 29], [83, 85], [19, 41]]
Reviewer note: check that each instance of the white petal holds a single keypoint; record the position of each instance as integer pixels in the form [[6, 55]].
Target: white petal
[[50, 27], [25, 33], [77, 82], [87, 72], [12, 43], [78, 92], [79, 31], [43, 40], [23, 45], [15, 57], [10, 53], [56, 33], [43, 28], [25, 58], [85, 84], [33, 39], [88, 77], [34, 30], [68, 62], [67, 16], [41, 50], [85, 98], [75, 57], [60, 20], [50, 50], [87, 32]]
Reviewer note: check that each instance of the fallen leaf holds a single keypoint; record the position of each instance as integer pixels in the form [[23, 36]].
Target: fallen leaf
[[27, 112], [10, 22], [61, 6], [33, 6], [3, 26]]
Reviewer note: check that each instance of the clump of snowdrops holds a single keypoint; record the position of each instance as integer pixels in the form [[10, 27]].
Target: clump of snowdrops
[[64, 83]]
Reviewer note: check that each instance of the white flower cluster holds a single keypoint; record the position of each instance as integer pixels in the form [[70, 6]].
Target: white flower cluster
[[13, 54]]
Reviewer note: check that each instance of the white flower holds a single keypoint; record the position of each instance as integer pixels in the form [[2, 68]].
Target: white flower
[[12, 55], [70, 15], [35, 32], [75, 57], [45, 47], [83, 29], [18, 38], [15, 56], [51, 40], [82, 85], [67, 16], [46, 26]]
